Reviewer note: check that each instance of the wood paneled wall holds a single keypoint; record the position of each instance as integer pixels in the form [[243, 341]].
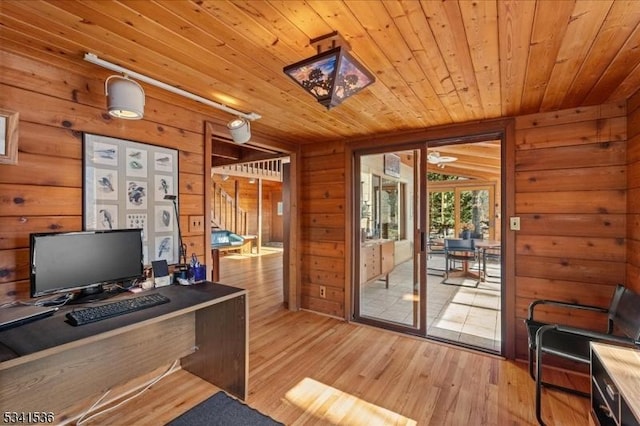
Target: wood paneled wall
[[570, 177], [577, 188], [43, 192], [570, 193], [322, 220], [633, 192]]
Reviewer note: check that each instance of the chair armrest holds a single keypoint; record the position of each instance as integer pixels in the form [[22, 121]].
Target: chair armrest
[[564, 305], [593, 335]]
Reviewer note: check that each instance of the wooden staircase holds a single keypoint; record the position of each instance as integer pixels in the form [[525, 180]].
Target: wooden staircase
[[225, 214]]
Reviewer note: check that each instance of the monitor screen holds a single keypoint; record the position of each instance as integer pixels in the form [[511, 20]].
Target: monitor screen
[[68, 261]]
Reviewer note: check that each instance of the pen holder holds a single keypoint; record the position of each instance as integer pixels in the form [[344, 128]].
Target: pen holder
[[197, 273]]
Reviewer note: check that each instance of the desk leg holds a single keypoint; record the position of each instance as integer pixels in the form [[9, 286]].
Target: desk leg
[[221, 357], [215, 265]]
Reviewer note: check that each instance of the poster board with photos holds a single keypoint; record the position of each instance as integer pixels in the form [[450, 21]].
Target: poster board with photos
[[124, 187]]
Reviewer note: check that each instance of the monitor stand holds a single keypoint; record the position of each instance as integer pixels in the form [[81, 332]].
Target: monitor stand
[[94, 294]]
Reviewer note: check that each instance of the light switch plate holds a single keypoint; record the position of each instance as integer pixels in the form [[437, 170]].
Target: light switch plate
[[196, 223]]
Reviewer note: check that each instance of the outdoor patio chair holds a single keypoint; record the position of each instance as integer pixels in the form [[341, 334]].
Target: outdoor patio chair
[[457, 251], [623, 328], [434, 246], [491, 255]]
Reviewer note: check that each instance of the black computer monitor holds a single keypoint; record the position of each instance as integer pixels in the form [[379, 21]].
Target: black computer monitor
[[66, 262]]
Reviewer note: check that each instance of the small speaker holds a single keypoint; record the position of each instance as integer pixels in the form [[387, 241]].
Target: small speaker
[[161, 273]]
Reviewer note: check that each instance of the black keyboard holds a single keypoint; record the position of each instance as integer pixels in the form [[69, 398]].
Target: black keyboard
[[114, 309]]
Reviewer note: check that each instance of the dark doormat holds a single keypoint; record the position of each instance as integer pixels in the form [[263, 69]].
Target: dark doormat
[[221, 409]]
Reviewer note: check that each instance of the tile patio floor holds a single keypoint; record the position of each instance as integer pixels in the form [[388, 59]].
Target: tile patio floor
[[457, 313]]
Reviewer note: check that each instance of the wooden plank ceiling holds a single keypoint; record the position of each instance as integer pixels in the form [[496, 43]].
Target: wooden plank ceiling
[[436, 62]]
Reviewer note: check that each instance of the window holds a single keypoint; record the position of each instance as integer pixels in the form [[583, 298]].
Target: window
[[392, 210], [383, 204], [456, 206]]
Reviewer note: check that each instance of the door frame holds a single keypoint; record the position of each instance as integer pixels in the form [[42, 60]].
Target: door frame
[[502, 129], [418, 249], [214, 133]]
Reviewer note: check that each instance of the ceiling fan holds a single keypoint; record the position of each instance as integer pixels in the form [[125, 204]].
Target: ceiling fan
[[434, 157]]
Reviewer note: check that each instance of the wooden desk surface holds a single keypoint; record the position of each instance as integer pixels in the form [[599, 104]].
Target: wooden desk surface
[[56, 364], [623, 366], [39, 338]]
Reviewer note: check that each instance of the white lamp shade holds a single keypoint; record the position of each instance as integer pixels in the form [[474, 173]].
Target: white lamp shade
[[240, 130], [125, 98]]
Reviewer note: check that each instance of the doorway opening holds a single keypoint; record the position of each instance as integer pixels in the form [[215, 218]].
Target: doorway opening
[[248, 202]]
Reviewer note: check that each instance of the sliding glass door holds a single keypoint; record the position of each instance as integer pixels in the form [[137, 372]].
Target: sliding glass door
[[389, 286], [412, 203]]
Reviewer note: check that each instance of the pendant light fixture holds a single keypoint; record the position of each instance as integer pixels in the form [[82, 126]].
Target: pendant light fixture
[[333, 74]]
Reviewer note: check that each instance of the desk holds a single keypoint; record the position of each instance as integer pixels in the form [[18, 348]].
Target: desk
[[615, 385], [55, 364]]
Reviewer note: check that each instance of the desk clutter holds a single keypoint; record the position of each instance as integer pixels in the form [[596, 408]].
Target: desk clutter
[[193, 273], [197, 271], [161, 275], [183, 274], [14, 316]]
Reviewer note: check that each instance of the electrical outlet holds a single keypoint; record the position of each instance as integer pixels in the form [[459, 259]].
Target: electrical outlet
[[514, 223], [196, 223], [323, 292]]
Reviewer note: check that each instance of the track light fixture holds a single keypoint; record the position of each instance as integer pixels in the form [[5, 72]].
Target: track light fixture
[[125, 97], [130, 105], [240, 130]]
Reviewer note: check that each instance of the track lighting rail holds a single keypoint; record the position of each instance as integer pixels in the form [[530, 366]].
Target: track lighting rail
[[91, 57]]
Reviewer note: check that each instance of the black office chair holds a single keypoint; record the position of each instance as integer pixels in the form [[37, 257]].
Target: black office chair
[[623, 328]]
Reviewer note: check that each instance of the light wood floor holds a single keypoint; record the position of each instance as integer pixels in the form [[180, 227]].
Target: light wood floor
[[308, 369]]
